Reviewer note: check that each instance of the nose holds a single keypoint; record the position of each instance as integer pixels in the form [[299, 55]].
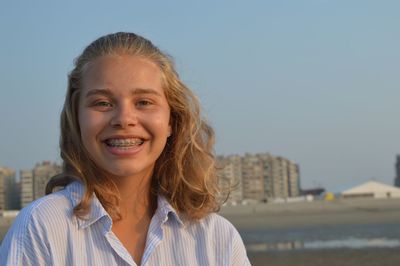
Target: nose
[[124, 116]]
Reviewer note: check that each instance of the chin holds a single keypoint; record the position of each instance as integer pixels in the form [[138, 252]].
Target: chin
[[126, 172]]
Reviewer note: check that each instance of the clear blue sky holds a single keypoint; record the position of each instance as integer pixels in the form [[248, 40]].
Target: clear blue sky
[[314, 81]]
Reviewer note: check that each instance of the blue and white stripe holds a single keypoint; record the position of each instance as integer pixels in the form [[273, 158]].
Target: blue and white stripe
[[47, 233]]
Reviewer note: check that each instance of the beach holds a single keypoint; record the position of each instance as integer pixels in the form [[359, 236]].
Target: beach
[[288, 226], [337, 257], [315, 213]]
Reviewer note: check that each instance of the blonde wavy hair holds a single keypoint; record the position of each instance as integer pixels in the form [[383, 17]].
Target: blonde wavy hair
[[185, 172]]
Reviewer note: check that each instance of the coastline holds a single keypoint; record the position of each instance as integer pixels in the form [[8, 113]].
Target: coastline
[[316, 213]]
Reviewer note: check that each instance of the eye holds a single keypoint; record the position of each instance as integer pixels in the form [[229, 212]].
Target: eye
[[102, 105], [143, 103]]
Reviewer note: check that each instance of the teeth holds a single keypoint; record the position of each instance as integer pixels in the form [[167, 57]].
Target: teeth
[[124, 143]]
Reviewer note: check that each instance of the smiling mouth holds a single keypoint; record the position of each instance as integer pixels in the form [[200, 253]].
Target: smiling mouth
[[124, 144]]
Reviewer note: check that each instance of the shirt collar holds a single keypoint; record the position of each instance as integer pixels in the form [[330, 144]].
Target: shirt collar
[[76, 190], [165, 211]]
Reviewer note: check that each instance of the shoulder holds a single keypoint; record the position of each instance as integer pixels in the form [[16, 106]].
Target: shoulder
[[49, 211], [216, 222], [226, 239], [32, 229], [53, 208], [222, 231]]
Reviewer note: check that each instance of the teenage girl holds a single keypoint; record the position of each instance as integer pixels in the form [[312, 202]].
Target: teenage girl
[[139, 185]]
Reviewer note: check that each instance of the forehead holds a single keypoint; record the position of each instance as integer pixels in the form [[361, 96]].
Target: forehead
[[120, 71]]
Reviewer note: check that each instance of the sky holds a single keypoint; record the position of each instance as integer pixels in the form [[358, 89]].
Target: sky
[[314, 81]]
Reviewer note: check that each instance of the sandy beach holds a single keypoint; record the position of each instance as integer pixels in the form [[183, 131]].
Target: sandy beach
[[317, 213], [281, 216], [336, 257]]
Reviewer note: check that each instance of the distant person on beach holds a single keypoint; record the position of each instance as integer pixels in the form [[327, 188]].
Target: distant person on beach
[[139, 184]]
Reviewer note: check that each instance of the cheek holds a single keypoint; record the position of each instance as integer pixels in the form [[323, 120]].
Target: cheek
[[83, 121], [85, 132], [162, 124], [89, 124]]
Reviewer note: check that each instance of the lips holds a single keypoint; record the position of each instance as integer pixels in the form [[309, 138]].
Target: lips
[[124, 143]]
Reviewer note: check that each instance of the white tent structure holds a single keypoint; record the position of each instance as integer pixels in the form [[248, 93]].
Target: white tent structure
[[372, 189]]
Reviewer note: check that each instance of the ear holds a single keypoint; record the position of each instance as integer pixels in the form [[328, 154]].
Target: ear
[[169, 131]]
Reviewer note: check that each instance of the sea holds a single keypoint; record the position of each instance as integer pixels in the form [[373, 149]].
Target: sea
[[343, 236]]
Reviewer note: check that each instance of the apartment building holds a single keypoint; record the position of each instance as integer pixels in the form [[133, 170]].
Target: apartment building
[[260, 177]]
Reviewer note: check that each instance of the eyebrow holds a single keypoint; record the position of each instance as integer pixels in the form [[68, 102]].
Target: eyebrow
[[107, 92]]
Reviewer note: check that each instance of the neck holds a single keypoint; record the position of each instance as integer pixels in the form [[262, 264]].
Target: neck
[[136, 197]]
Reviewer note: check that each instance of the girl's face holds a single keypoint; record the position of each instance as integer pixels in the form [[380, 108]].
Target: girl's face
[[124, 115]]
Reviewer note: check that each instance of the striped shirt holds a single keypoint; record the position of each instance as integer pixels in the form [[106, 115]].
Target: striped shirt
[[47, 233]]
